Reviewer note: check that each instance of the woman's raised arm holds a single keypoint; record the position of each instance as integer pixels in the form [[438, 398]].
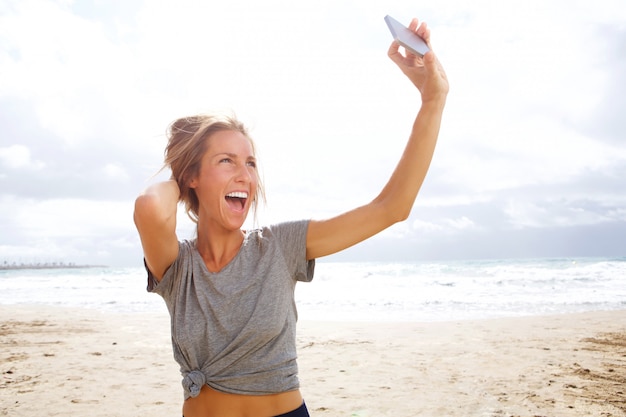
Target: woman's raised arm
[[396, 199], [155, 218]]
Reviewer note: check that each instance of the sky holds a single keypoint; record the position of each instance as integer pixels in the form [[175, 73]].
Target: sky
[[531, 159]]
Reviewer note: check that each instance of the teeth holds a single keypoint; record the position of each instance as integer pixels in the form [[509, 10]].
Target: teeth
[[237, 194]]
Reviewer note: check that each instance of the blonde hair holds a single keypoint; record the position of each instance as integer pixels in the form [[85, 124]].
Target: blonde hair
[[188, 139]]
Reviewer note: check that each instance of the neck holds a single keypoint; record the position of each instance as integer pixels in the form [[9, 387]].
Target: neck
[[218, 249]]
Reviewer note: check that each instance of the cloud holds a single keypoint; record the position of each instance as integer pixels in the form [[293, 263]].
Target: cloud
[[116, 172], [606, 121], [530, 149], [18, 157]]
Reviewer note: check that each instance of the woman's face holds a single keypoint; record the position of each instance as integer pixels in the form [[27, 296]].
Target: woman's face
[[227, 181]]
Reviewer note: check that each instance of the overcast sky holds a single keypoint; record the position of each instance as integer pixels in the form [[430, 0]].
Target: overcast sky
[[531, 160]]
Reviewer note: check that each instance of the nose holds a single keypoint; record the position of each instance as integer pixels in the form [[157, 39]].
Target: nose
[[245, 174]]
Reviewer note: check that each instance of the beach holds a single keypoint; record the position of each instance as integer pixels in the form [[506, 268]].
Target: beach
[[77, 362]]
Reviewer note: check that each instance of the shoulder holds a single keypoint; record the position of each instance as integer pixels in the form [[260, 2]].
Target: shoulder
[[284, 235], [278, 230], [287, 229]]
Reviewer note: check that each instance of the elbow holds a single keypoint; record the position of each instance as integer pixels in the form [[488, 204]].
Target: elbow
[[400, 215], [153, 209], [146, 206], [395, 213], [159, 201], [141, 207]]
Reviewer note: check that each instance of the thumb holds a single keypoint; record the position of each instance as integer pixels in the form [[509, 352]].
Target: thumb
[[394, 52], [430, 60], [430, 63]]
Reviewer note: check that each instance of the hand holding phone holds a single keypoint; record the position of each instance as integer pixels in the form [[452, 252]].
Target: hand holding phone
[[405, 37]]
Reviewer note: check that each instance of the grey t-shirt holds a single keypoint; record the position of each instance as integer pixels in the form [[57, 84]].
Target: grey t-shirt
[[235, 330]]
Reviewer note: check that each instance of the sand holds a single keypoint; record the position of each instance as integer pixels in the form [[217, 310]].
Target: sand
[[71, 362]]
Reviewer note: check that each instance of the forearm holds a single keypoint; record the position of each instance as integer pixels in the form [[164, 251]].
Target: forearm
[[398, 195], [395, 201]]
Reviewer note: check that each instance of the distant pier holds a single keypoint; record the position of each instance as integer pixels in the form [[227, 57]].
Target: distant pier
[[44, 265]]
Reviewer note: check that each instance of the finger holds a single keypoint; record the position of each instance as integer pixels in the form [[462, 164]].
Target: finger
[[414, 24], [394, 51], [430, 61], [424, 32]]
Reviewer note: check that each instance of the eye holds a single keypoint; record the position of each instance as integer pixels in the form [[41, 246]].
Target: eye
[[225, 161], [251, 164]]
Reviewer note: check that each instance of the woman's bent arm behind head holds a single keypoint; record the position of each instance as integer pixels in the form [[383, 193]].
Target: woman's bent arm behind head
[[155, 218]]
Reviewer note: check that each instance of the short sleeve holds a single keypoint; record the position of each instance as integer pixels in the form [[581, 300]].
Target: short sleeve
[[179, 268], [152, 281], [291, 238]]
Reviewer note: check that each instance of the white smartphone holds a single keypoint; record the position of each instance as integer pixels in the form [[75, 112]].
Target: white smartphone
[[405, 37]]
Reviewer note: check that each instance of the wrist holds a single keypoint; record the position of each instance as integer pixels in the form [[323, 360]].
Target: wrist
[[436, 102]]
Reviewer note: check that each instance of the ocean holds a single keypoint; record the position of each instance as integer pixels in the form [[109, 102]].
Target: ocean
[[367, 291]]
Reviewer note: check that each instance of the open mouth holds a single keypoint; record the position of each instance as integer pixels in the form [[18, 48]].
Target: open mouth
[[237, 200]]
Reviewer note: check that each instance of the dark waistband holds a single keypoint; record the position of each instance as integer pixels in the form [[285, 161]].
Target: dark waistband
[[298, 412]]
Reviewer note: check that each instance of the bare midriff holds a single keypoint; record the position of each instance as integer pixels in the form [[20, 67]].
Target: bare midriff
[[212, 403]]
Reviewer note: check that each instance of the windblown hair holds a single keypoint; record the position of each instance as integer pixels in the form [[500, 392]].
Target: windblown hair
[[188, 140]]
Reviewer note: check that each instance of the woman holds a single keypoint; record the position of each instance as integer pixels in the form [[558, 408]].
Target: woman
[[230, 292]]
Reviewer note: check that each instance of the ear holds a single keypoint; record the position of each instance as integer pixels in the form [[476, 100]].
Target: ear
[[193, 183]]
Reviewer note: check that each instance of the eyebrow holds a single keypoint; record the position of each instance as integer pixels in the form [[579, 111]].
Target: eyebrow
[[235, 156]]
